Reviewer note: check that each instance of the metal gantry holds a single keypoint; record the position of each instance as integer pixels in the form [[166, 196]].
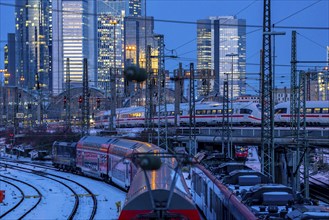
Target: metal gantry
[[302, 133], [294, 125], [149, 106], [226, 130], [85, 100], [161, 96], [267, 131], [68, 95], [192, 135]]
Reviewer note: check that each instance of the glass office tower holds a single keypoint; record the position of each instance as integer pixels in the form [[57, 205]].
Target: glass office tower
[[221, 43]]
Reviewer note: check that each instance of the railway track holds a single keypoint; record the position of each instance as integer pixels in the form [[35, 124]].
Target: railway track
[[19, 185], [81, 193]]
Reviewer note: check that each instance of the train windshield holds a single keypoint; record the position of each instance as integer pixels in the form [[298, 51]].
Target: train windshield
[[280, 111]]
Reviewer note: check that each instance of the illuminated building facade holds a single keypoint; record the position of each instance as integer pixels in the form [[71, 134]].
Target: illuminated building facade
[[136, 8], [217, 38], [74, 34], [110, 17], [33, 41], [10, 67]]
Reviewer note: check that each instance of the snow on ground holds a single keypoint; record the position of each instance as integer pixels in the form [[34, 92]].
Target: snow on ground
[[57, 201]]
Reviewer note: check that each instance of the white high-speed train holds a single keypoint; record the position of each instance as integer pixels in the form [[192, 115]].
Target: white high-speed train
[[206, 114], [317, 113]]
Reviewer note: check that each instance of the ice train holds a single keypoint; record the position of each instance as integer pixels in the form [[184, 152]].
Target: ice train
[[206, 114], [211, 114]]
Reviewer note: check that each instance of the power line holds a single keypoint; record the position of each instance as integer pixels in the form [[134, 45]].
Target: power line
[[297, 12], [184, 22]]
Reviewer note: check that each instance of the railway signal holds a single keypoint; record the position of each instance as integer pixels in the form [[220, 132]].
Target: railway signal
[[65, 101], [80, 101]]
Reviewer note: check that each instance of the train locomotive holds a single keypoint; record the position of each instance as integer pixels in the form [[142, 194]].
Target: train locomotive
[[153, 194], [231, 190], [159, 194]]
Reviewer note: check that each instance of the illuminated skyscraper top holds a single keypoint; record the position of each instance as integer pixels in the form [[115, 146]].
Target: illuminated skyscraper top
[[33, 18], [217, 38]]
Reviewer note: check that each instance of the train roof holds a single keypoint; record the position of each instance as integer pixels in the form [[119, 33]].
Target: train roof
[[127, 143], [309, 104]]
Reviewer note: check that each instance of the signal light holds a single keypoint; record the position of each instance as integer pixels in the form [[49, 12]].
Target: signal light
[[80, 101], [64, 100], [98, 103]]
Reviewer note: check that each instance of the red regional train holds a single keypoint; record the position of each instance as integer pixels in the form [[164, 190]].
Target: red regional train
[[159, 194], [112, 159]]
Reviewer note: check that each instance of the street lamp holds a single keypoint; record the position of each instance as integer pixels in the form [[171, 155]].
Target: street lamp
[[273, 33], [232, 55]]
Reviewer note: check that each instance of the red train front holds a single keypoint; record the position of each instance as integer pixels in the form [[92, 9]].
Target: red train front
[[241, 152], [159, 200]]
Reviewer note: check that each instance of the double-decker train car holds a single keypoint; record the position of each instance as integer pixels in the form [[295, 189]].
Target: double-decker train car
[[317, 113], [231, 190], [159, 194], [164, 196], [100, 157], [104, 157]]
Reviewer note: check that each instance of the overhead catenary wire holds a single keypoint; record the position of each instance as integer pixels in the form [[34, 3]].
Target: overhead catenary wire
[[180, 21]]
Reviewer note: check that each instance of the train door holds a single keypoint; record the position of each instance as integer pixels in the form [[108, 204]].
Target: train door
[[127, 172], [98, 160], [205, 196], [109, 167]]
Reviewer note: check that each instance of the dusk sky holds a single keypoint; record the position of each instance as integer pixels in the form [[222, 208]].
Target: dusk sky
[[176, 20]]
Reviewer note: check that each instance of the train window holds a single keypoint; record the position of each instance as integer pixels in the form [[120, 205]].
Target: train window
[[317, 110], [245, 111], [230, 111], [309, 110], [214, 111], [205, 192], [198, 112], [198, 186], [325, 110], [209, 112], [280, 111], [219, 111]]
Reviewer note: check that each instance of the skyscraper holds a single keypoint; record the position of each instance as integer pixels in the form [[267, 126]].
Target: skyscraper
[[10, 67], [221, 45], [74, 34], [110, 17], [33, 30]]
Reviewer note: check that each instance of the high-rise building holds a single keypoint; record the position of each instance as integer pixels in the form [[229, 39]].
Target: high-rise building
[[136, 8], [110, 17], [138, 33], [33, 18], [10, 74], [221, 48], [74, 34]]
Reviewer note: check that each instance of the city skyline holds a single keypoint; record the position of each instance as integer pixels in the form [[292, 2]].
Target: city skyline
[[179, 29]]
